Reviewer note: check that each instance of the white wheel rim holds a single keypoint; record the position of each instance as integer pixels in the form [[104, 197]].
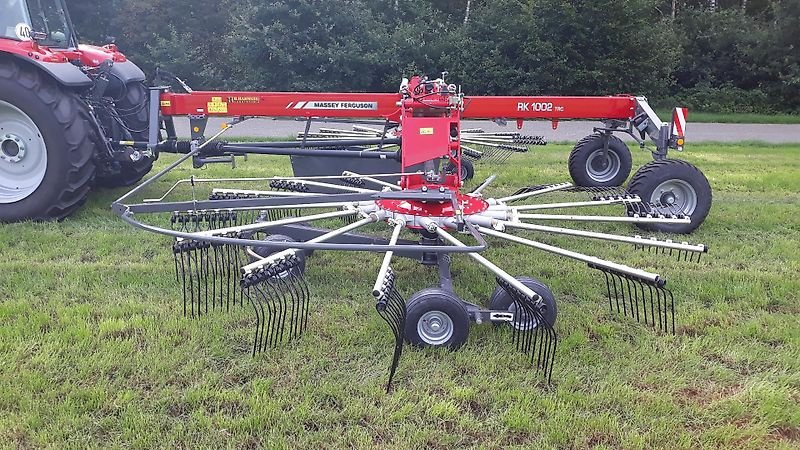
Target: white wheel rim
[[603, 169], [435, 327], [23, 155], [676, 194]]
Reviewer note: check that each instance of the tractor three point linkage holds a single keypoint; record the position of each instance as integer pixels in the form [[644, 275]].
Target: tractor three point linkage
[[400, 171]]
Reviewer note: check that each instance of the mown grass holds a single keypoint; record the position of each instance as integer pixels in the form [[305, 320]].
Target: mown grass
[[95, 352], [712, 117]]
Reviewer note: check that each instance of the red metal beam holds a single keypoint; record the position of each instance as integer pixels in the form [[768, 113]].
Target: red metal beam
[[374, 105]]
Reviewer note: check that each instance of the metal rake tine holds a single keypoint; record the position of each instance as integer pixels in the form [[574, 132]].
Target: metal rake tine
[[274, 308], [671, 308], [642, 300], [547, 331], [183, 280], [275, 282], [652, 307], [633, 295], [268, 316], [614, 278], [259, 312], [191, 271], [205, 269], [608, 290], [294, 293]]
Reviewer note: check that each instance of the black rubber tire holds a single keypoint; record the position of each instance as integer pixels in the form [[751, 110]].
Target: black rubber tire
[[588, 146], [467, 170], [267, 250], [436, 299], [654, 173], [64, 122], [132, 107], [501, 301]]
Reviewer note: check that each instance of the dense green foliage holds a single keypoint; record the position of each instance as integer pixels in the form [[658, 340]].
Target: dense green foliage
[[723, 56]]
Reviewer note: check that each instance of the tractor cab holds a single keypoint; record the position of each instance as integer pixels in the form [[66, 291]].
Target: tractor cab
[[46, 21]]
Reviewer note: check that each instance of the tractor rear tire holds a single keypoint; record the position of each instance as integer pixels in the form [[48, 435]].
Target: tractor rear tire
[[588, 168], [50, 128], [132, 107], [675, 183]]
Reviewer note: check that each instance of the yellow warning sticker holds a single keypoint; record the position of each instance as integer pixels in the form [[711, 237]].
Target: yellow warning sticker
[[217, 106], [426, 131], [166, 103]]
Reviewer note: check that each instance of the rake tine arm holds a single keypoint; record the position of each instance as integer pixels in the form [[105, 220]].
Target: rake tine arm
[[540, 191], [636, 240], [636, 273], [605, 202], [265, 225], [382, 183], [634, 219], [372, 218]]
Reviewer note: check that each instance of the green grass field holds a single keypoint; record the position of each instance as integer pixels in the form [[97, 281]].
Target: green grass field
[[95, 352]]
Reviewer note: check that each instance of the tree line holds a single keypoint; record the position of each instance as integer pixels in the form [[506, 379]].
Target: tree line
[[712, 55]]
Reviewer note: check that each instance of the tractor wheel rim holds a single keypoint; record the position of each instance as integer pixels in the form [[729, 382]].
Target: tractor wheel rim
[[602, 169], [676, 195], [522, 321], [435, 327], [23, 155]]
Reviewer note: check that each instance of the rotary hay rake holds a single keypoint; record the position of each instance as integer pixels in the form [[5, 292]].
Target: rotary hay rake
[[247, 246]]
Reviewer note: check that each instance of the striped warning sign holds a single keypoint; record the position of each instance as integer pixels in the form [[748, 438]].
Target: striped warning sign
[[679, 121]]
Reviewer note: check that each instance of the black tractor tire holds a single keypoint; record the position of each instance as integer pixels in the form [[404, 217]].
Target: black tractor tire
[[436, 318], [132, 107], [502, 301], [587, 167], [467, 170], [267, 250], [64, 125], [677, 183]]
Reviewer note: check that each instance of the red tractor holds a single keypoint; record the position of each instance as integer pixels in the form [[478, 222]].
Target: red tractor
[[62, 105]]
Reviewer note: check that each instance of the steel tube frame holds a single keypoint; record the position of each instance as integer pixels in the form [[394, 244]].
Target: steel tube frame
[[387, 260], [591, 260], [608, 237]]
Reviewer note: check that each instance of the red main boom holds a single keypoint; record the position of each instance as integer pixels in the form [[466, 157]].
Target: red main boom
[[386, 106]]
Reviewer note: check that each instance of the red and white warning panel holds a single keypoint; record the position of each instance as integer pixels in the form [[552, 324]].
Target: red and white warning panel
[[679, 122]]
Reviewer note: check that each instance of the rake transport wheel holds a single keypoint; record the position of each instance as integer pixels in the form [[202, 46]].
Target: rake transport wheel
[[502, 301], [267, 250], [678, 185], [467, 169], [589, 167], [46, 149], [436, 318], [132, 109]]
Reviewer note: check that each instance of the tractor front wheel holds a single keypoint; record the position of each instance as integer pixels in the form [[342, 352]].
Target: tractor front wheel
[[436, 318], [673, 186], [46, 146], [591, 165]]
